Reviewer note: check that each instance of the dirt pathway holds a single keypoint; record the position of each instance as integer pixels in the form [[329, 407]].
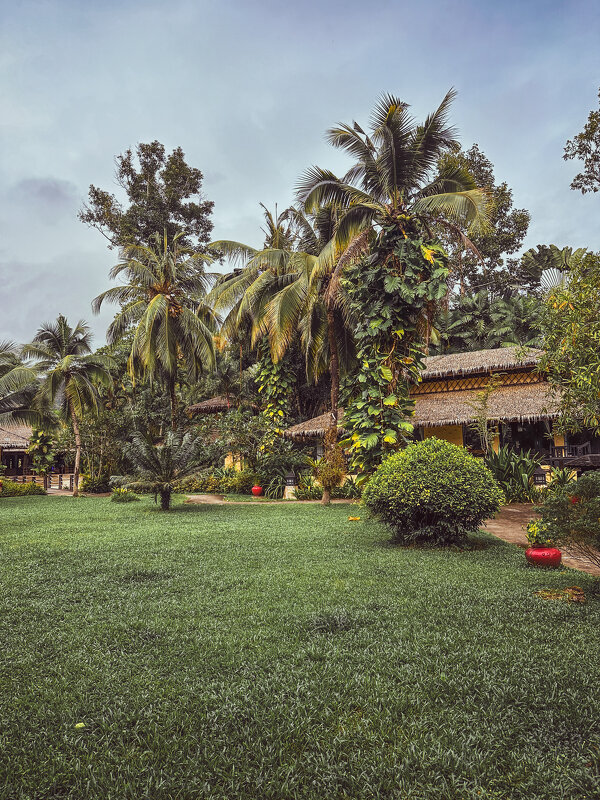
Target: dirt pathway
[[510, 525]]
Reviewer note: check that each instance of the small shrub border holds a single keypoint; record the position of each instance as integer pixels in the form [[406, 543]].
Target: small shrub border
[[14, 489]]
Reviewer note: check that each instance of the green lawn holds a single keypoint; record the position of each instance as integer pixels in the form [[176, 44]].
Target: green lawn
[[281, 651]]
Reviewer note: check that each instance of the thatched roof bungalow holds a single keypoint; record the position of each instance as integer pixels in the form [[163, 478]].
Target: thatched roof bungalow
[[14, 441], [214, 405], [521, 405]]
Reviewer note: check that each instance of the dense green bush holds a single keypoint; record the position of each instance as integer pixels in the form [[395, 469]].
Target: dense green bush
[[219, 481], [13, 489], [513, 473], [308, 489], [98, 485], [571, 516], [432, 491], [122, 495]]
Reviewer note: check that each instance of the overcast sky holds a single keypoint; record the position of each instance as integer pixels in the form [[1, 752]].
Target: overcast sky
[[247, 89]]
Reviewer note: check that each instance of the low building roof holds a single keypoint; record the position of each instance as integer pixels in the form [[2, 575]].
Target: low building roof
[[520, 403], [14, 437], [480, 361], [313, 428], [214, 405]]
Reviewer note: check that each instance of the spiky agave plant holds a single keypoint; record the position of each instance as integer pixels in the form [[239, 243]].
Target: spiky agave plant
[[158, 467]]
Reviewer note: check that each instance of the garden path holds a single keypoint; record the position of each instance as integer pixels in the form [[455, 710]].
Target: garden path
[[510, 525]]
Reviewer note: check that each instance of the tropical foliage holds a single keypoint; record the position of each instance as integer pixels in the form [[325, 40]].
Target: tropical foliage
[[513, 473], [571, 329], [70, 374], [158, 467], [569, 516], [164, 301]]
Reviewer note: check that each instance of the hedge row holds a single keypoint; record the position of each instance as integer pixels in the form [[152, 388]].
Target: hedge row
[[13, 489]]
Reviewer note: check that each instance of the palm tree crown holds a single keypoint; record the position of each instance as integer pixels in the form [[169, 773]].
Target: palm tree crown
[[396, 170], [164, 297]]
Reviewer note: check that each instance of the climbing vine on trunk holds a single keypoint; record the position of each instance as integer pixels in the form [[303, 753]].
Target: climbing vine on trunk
[[393, 291], [276, 383]]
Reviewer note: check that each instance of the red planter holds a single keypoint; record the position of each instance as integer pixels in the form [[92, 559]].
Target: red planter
[[543, 557], [257, 491]]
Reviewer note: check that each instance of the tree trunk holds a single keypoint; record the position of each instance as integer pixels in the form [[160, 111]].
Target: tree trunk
[[77, 435], [334, 372], [173, 396], [165, 500]]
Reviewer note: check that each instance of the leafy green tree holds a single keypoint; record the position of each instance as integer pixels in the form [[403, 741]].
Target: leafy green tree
[[316, 305], [42, 451], [544, 263], [571, 333], [158, 467], [244, 295], [163, 194], [164, 299], [70, 374], [486, 264], [516, 321], [586, 147]]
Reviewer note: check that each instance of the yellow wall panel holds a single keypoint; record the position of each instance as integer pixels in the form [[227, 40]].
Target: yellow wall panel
[[450, 433]]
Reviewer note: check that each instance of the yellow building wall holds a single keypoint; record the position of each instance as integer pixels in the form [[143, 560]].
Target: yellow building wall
[[450, 433], [233, 460]]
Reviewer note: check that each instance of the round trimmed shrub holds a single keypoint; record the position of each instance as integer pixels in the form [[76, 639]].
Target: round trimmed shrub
[[432, 492]]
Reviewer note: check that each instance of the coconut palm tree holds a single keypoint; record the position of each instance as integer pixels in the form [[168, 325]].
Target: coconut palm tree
[[314, 305], [396, 185], [69, 374], [18, 388], [243, 293], [164, 298], [396, 172]]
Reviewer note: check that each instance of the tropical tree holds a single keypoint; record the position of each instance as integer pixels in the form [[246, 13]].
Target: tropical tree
[[163, 194], [571, 334], [389, 202], [257, 274], [517, 321], [585, 146], [164, 299], [159, 466], [18, 389], [315, 305], [244, 295], [69, 374]]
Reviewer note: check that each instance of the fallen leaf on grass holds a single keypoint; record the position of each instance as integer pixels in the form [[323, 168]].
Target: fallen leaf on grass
[[572, 594], [353, 519]]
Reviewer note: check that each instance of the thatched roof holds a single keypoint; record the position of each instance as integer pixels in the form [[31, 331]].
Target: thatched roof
[[520, 403], [480, 361], [313, 428], [14, 437], [214, 405]]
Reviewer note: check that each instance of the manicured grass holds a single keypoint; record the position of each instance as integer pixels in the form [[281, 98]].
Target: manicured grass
[[281, 651]]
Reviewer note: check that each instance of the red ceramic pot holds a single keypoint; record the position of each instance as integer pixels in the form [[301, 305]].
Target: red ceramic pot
[[543, 557], [257, 491]]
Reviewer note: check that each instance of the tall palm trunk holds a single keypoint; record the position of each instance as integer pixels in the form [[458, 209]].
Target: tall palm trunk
[[77, 434], [334, 372]]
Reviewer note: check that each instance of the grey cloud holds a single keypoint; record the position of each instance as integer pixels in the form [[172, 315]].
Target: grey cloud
[[49, 198]]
